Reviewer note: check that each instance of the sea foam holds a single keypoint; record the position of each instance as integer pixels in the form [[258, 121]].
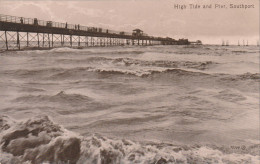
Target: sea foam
[[40, 140]]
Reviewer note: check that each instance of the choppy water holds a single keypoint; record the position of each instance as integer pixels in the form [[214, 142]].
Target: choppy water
[[159, 104]]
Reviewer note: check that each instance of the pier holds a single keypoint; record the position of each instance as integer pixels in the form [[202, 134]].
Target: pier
[[17, 33]]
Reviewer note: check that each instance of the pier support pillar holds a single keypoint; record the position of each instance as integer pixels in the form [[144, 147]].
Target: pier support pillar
[[27, 43], [79, 42], [38, 39], [52, 40], [70, 40], [6, 41], [86, 41], [61, 41], [49, 42], [18, 41], [42, 39]]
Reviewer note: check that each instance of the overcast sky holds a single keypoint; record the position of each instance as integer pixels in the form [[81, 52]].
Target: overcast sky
[[155, 17]]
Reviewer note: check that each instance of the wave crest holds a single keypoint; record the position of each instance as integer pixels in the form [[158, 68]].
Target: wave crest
[[39, 140]]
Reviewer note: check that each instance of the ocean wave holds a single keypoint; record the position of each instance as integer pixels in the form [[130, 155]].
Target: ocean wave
[[61, 97], [230, 96], [24, 73], [40, 140], [150, 71], [128, 67], [254, 76], [179, 73], [128, 62], [245, 76], [70, 73], [166, 63], [96, 50]]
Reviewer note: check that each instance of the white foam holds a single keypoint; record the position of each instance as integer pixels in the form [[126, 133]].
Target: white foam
[[100, 149]]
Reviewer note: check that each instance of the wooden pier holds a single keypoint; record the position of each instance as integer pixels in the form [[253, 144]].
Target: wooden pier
[[18, 33]]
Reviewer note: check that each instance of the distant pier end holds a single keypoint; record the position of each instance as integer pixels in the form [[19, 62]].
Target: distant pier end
[[21, 33]]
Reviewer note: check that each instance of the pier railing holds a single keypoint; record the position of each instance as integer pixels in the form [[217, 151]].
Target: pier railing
[[37, 22]]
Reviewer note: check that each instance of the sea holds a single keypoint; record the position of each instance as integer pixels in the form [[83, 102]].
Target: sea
[[195, 104]]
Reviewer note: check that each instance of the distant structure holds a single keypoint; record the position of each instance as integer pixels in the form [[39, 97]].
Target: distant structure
[[198, 42], [225, 44], [21, 33], [138, 32]]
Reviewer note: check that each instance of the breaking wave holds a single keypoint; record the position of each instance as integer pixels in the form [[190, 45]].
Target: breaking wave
[[83, 72], [128, 62], [61, 97], [39, 140]]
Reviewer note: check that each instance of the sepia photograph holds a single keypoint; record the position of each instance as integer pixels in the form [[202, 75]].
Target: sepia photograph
[[129, 82]]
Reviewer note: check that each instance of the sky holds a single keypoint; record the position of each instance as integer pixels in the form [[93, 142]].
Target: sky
[[154, 17]]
